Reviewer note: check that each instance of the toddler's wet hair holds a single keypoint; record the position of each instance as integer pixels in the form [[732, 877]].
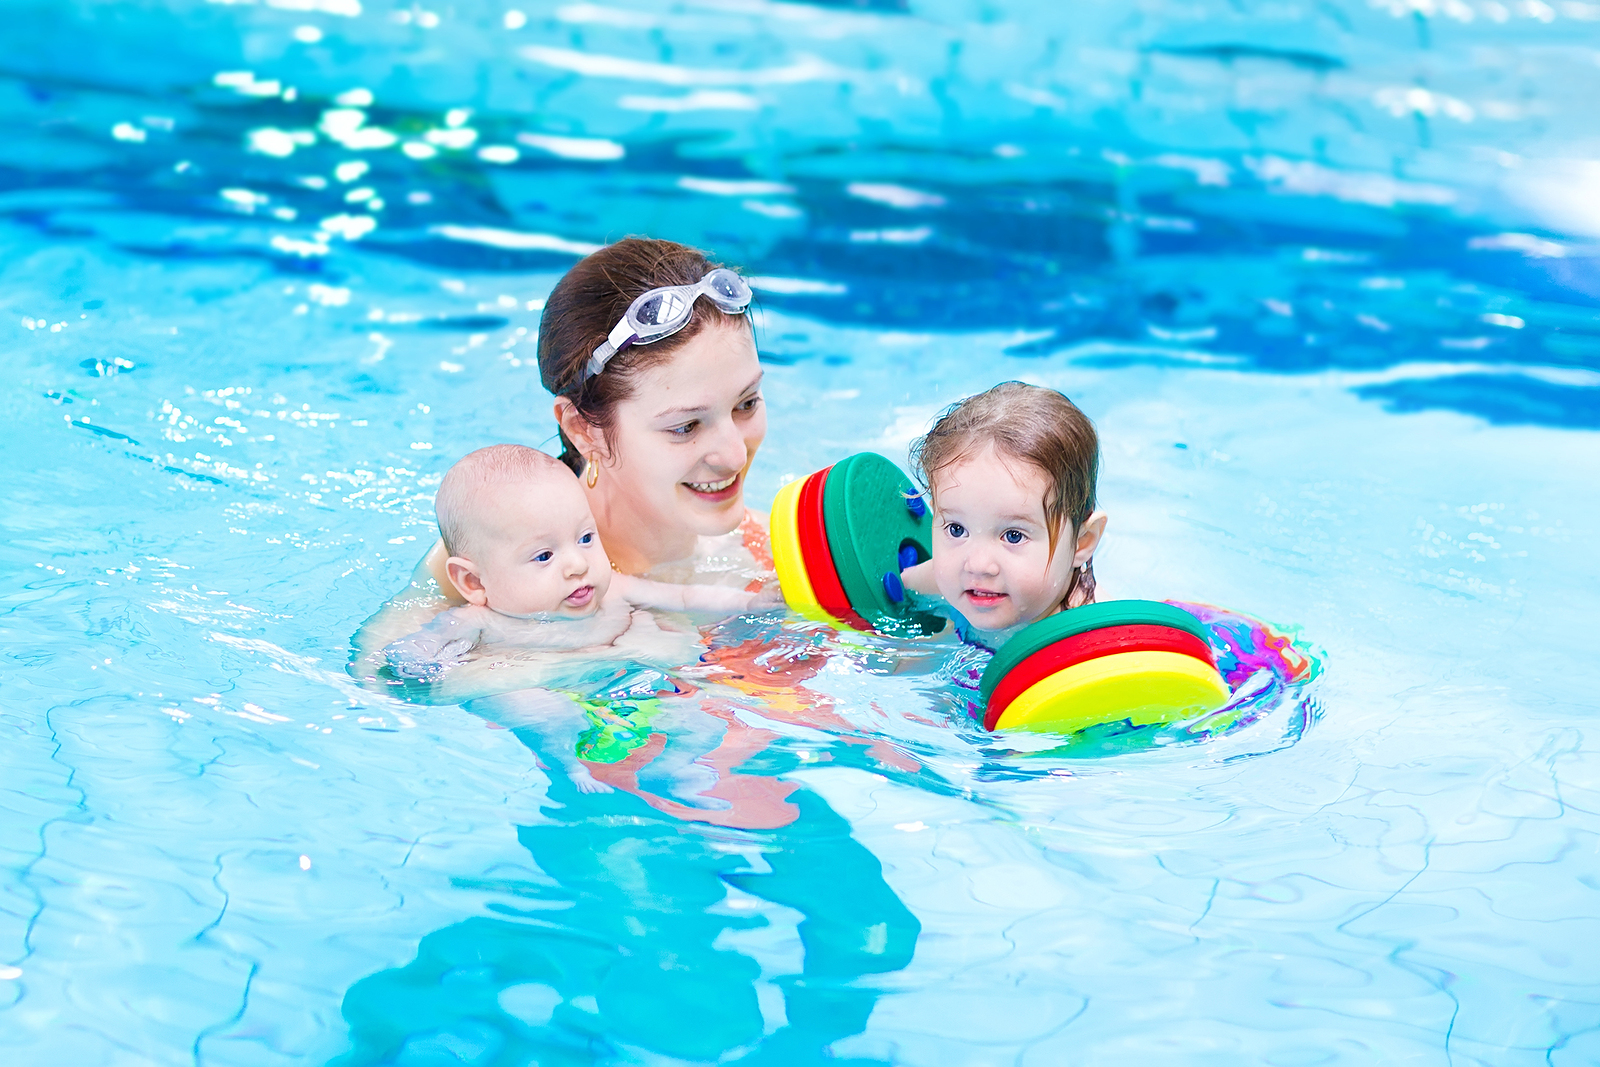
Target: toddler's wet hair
[[471, 487], [1037, 426]]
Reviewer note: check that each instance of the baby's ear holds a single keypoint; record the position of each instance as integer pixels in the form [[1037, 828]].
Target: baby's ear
[[464, 576]]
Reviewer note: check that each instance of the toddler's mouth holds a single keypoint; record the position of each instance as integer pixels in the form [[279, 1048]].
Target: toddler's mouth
[[579, 597], [984, 598], [715, 492]]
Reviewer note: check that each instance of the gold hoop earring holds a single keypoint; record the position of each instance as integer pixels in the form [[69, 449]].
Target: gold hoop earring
[[594, 469]]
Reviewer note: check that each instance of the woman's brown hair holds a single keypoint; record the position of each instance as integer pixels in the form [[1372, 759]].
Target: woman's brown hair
[[588, 301], [1039, 427]]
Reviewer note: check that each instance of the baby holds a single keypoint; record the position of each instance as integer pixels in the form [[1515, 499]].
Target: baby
[[526, 557], [1012, 475]]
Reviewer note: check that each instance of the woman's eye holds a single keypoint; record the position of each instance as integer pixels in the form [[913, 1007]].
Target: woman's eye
[[749, 405], [544, 557], [955, 529], [685, 430], [1014, 537]]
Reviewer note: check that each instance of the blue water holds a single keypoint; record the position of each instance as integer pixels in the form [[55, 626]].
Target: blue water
[[1327, 275]]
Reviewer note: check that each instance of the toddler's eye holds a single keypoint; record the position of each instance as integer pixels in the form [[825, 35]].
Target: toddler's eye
[[955, 529], [1014, 537], [544, 557]]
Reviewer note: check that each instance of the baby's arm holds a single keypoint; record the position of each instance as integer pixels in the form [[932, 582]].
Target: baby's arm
[[667, 596], [443, 643]]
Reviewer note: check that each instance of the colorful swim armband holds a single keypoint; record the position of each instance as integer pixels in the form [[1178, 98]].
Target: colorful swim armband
[[841, 537], [1135, 660]]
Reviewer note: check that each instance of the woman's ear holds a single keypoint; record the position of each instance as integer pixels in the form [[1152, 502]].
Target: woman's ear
[[464, 576], [583, 434], [1089, 534]]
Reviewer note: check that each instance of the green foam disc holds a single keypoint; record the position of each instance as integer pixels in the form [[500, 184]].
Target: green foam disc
[[864, 509], [1070, 623]]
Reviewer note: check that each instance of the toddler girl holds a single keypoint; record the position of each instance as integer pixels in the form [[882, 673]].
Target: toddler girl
[[1011, 473]]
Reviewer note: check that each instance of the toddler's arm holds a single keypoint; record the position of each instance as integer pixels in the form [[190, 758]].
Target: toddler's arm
[[919, 579], [438, 646], [667, 596]]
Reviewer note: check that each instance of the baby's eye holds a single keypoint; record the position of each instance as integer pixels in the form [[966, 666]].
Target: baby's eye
[[586, 539], [955, 529], [685, 430], [1014, 537], [544, 557]]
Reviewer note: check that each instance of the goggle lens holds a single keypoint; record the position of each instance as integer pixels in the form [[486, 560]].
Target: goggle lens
[[662, 308], [723, 283]]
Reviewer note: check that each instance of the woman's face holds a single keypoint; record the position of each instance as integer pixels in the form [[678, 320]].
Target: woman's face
[[680, 447]]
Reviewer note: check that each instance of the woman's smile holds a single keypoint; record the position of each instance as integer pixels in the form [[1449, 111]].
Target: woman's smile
[[717, 492]]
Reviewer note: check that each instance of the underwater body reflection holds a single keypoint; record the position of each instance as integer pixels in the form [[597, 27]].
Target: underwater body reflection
[[635, 954], [653, 928]]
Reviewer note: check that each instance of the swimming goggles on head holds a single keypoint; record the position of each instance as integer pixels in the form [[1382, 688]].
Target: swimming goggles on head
[[662, 312]]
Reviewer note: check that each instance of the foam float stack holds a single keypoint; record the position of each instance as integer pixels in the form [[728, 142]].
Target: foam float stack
[[841, 537], [1135, 660]]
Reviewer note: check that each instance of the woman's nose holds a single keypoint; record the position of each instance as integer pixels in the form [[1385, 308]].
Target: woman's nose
[[725, 447]]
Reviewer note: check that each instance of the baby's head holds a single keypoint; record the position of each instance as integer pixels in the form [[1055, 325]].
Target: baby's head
[[1012, 476], [521, 538]]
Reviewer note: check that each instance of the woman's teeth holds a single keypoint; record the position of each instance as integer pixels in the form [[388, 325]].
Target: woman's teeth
[[712, 487]]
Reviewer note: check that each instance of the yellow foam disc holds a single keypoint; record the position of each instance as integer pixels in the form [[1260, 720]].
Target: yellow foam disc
[[786, 558], [1143, 687]]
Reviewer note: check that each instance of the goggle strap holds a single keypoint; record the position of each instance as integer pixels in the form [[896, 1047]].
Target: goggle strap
[[621, 336]]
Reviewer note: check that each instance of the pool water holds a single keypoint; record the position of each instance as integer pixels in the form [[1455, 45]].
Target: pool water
[[1327, 277]]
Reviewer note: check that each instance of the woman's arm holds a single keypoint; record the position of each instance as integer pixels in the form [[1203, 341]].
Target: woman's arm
[[667, 596]]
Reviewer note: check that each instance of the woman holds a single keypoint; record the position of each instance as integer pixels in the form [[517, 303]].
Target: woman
[[662, 431], [658, 399], [658, 402]]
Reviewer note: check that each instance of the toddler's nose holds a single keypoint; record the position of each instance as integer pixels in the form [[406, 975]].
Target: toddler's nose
[[981, 561]]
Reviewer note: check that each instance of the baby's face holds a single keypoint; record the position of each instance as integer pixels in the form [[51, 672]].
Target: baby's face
[[991, 546], [538, 552]]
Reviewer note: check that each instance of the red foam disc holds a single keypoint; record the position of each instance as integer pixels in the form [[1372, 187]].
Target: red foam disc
[[818, 557], [1071, 651]]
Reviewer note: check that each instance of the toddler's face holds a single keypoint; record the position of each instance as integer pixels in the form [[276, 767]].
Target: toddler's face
[[991, 547], [538, 553]]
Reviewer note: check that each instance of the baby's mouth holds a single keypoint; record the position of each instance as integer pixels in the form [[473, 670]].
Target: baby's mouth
[[580, 596], [715, 491]]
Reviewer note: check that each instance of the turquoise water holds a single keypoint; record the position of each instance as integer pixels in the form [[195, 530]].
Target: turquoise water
[[1326, 275]]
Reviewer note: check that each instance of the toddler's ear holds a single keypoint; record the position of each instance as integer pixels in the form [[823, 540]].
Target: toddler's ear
[[1089, 535], [464, 576]]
